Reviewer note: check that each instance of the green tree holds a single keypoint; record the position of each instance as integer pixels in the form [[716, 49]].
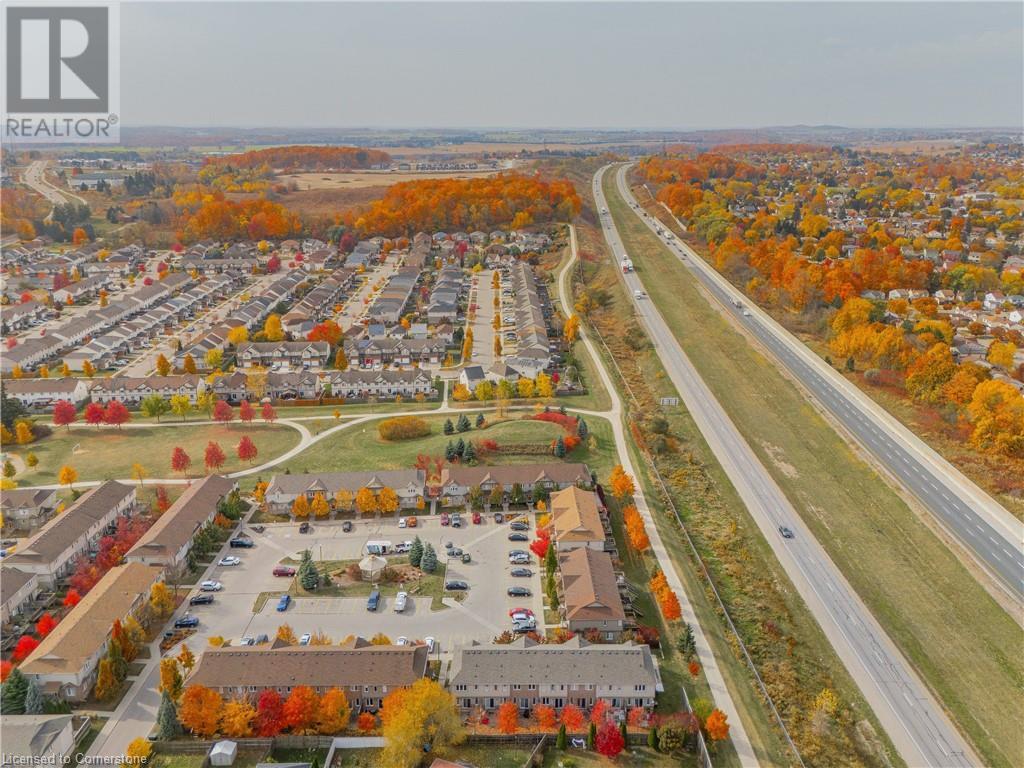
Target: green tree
[[591, 737], [117, 662], [550, 560], [13, 693], [517, 496], [687, 645], [652, 738], [309, 576], [560, 448], [582, 429], [480, 420], [448, 427], [416, 552], [154, 406], [428, 564], [33, 698], [469, 455], [561, 741], [463, 424], [167, 724]]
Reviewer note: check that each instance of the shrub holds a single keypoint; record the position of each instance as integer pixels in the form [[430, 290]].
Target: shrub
[[403, 428]]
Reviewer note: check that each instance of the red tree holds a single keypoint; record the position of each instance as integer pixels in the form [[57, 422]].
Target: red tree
[[25, 645], [45, 625], [269, 714], [94, 414], [85, 575], [222, 412], [328, 331], [161, 502], [214, 457], [300, 708], [598, 713], [116, 413], [247, 449], [72, 598], [268, 413], [11, 342], [273, 263], [180, 461], [366, 722], [25, 297], [245, 411], [64, 414], [5, 669], [539, 547], [609, 740]]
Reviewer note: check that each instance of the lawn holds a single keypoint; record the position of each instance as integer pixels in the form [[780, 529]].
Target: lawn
[[361, 447], [633, 756], [929, 604], [106, 453], [245, 759], [485, 757]]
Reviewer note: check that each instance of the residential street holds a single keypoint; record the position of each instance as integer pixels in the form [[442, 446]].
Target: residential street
[[913, 719]]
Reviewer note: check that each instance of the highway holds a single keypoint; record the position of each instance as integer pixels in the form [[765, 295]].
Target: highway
[[913, 719], [35, 177], [993, 537]]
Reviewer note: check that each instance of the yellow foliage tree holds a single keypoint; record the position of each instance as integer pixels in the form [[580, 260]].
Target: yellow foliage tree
[[366, 501], [67, 476], [139, 751], [320, 507], [410, 717], [333, 713], [286, 634], [236, 719], [387, 500], [160, 600]]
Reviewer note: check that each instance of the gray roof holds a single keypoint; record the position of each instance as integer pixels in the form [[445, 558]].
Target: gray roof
[[574, 662], [31, 735], [332, 482], [11, 582]]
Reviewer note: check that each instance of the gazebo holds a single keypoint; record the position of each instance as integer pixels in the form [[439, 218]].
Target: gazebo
[[371, 567]]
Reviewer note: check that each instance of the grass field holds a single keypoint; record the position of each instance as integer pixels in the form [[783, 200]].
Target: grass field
[[361, 447], [99, 454], [357, 179], [929, 604], [633, 756]]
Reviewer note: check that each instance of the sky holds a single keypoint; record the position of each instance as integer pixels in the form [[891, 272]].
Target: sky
[[572, 65]]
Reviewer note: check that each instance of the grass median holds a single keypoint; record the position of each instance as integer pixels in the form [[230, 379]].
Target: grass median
[[960, 641]]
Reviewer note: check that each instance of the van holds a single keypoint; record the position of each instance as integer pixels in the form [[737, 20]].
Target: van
[[373, 601]]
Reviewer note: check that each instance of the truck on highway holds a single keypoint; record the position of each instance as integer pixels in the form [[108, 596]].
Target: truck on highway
[[627, 264]]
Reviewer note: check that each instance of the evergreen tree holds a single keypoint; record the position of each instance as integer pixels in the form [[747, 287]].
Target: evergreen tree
[[33, 698], [560, 448], [167, 724], [582, 429], [625, 734], [429, 562], [591, 737], [13, 692], [562, 410], [449, 452], [687, 645], [652, 738], [448, 428], [460, 448], [550, 560], [463, 424], [561, 742], [469, 455], [309, 576], [480, 420], [416, 552], [11, 409], [517, 496], [117, 662]]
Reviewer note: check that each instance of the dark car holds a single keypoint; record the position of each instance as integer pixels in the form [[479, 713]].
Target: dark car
[[259, 528], [204, 599], [347, 526], [241, 542], [499, 518], [518, 537], [456, 585], [522, 573], [186, 622], [305, 528], [455, 552], [519, 525], [465, 557], [519, 592], [786, 532]]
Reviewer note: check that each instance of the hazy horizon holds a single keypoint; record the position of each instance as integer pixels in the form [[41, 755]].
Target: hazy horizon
[[572, 66]]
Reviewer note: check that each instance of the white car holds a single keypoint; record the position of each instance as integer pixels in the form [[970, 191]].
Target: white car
[[403, 523], [211, 586], [403, 640], [400, 601], [304, 640], [405, 546], [639, 294], [431, 643], [230, 561]]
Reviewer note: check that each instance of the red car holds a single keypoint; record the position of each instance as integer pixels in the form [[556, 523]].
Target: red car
[[477, 519], [444, 518], [284, 570], [527, 611]]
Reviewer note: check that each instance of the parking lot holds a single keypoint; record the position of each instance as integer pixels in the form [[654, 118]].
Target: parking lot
[[480, 614]]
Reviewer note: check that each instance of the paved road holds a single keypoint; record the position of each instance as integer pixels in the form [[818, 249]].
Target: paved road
[[986, 529], [35, 177], [719, 692], [915, 722]]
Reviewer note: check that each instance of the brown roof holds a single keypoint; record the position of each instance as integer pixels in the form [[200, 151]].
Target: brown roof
[[575, 516], [24, 498], [11, 582], [175, 527], [589, 587], [314, 665], [70, 525], [525, 474], [87, 626]]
